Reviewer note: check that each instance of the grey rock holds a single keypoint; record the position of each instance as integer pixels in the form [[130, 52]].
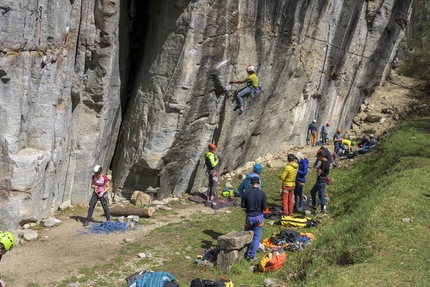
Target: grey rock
[[128, 240], [373, 118], [406, 220], [30, 235], [49, 222], [64, 205], [234, 240]]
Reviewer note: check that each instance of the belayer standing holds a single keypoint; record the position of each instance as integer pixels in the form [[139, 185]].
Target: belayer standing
[[312, 129], [254, 201], [250, 89], [100, 183], [324, 133], [211, 161], [7, 242]]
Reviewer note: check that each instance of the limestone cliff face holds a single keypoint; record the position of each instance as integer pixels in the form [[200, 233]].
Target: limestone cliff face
[[137, 86], [315, 59]]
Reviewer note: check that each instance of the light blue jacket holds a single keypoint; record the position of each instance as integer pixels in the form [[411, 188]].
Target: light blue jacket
[[246, 183]]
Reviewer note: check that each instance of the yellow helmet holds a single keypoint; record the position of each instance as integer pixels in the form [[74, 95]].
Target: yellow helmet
[[7, 239]]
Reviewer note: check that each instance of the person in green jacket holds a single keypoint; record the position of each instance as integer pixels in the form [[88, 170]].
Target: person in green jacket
[[211, 161], [288, 178]]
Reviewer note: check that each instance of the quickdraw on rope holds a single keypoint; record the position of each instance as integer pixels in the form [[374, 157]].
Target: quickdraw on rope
[[103, 228]]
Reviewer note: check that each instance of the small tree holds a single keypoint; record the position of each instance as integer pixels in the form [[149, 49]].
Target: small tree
[[418, 65]]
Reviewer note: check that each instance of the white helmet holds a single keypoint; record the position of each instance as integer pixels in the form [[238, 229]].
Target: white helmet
[[250, 68], [97, 169]]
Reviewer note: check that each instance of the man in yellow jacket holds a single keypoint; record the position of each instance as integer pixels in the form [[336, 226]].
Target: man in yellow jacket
[[288, 178]]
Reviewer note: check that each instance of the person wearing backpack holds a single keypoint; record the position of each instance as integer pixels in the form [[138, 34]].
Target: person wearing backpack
[[100, 184], [246, 182], [211, 161], [322, 174], [254, 201], [300, 181], [288, 177]]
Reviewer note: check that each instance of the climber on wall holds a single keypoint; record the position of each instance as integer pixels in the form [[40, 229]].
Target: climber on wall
[[250, 89]]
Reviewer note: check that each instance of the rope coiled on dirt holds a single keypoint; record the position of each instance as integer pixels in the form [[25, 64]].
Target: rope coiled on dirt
[[103, 228]]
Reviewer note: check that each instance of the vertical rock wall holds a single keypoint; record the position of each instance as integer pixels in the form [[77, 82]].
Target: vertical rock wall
[[137, 86], [60, 102], [315, 59]]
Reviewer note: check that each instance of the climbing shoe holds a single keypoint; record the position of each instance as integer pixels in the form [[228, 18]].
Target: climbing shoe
[[241, 112], [236, 108]]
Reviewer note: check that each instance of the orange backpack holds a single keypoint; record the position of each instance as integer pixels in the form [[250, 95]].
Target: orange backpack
[[273, 260]]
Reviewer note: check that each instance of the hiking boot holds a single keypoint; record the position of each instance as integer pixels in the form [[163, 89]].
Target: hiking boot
[[252, 259]]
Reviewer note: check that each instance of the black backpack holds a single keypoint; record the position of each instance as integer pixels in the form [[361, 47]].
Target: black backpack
[[209, 283]]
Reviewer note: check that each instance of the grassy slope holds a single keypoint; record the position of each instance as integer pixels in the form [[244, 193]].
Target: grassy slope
[[361, 242], [367, 243]]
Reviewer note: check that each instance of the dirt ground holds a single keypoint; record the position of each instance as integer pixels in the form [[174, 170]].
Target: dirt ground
[[60, 253]]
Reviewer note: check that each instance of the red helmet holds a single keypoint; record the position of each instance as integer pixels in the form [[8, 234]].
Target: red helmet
[[212, 147]]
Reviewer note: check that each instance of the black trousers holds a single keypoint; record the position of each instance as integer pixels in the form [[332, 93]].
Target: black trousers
[[93, 203]]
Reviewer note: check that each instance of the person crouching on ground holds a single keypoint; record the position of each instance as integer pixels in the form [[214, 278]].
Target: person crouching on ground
[[322, 174], [246, 183], [288, 178], [100, 184], [211, 161], [7, 241], [254, 201], [300, 181]]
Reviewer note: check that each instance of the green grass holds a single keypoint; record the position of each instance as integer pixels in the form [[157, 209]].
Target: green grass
[[361, 242]]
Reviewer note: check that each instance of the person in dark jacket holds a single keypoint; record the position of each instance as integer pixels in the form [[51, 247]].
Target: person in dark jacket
[[327, 154], [300, 181], [246, 183], [254, 201], [319, 187]]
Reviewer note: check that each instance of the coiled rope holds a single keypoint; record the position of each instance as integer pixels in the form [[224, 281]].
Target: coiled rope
[[103, 228]]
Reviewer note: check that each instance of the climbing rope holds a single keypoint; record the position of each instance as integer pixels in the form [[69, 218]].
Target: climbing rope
[[40, 24], [103, 228]]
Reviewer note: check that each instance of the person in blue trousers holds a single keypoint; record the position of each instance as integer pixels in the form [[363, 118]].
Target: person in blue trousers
[[300, 181], [254, 201]]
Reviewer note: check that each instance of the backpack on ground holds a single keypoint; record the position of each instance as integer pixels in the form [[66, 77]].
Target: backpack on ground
[[229, 192], [273, 260], [223, 282], [301, 222]]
